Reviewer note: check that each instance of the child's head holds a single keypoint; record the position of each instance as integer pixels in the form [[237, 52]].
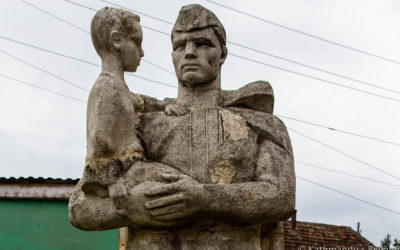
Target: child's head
[[117, 31]]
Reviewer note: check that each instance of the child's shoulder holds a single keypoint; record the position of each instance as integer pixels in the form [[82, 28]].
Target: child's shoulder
[[107, 81]]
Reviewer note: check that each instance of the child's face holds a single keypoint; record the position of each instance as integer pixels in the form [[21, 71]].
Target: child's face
[[131, 50]]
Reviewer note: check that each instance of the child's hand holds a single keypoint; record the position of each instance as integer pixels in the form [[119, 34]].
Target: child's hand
[[175, 110]]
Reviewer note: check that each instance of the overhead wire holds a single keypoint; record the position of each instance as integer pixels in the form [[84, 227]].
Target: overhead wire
[[49, 51], [345, 173], [348, 195], [45, 71], [339, 130], [306, 34], [163, 83], [92, 9], [344, 154], [316, 78], [76, 99], [316, 68], [136, 11], [255, 50], [54, 16], [81, 5], [300, 162], [41, 88], [81, 60], [88, 33]]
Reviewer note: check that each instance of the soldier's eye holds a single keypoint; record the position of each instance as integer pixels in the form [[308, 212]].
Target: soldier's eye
[[202, 44], [179, 46]]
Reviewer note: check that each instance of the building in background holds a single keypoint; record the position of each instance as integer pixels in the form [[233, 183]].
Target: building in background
[[34, 215], [308, 235]]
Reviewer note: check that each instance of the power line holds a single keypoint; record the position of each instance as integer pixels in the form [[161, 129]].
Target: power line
[[286, 70], [344, 173], [168, 85], [81, 5], [45, 71], [315, 68], [348, 195], [162, 83], [144, 26], [56, 17], [88, 33], [92, 9], [158, 66], [80, 60], [343, 153], [141, 13], [315, 78], [306, 34], [340, 130], [49, 51], [154, 81], [41, 88]]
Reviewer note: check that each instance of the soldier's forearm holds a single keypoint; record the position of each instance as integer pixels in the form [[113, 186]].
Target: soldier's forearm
[[249, 202]]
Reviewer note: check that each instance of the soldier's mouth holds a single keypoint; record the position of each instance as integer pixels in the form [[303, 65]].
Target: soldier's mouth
[[190, 65]]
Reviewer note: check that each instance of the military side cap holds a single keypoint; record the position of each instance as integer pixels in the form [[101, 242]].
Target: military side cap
[[195, 17]]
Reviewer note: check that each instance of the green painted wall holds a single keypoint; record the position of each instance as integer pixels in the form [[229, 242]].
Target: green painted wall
[[28, 224]]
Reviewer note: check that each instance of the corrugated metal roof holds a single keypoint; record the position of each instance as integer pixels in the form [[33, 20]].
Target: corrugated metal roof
[[36, 188], [37, 180]]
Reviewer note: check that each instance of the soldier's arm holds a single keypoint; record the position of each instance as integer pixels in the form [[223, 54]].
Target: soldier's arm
[[271, 197]]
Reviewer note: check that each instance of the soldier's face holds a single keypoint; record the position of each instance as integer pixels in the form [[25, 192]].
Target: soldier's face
[[197, 56]]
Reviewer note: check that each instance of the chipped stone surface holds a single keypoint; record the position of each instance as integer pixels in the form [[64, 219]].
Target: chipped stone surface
[[234, 125], [224, 170], [211, 169]]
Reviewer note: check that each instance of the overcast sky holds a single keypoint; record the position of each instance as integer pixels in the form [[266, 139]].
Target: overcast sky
[[42, 134]]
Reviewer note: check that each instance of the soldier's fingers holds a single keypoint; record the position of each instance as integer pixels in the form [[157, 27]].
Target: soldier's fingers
[[162, 190], [180, 207], [164, 201], [170, 177]]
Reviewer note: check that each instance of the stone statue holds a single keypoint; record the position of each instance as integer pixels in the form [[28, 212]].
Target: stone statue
[[211, 169]]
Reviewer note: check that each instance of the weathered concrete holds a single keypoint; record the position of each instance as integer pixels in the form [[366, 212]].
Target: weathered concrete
[[212, 169]]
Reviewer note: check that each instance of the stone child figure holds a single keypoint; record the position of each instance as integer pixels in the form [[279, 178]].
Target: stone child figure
[[117, 38], [112, 143], [217, 175], [113, 147]]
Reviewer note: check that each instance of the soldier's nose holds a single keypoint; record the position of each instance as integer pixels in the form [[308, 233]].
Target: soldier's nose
[[190, 50]]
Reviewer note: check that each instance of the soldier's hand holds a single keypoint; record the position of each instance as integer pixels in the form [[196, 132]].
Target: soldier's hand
[[175, 110], [180, 199], [130, 204]]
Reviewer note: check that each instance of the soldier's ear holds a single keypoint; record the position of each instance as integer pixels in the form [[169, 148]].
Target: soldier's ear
[[224, 54], [115, 40]]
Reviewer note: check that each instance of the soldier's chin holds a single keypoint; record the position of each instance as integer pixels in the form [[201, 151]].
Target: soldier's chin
[[193, 80]]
